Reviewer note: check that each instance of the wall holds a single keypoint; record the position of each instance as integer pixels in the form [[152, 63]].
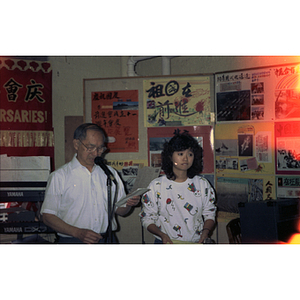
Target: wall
[[68, 75], [69, 72], [67, 94]]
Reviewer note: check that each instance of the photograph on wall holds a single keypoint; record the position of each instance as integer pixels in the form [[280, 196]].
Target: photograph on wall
[[158, 136], [248, 164], [288, 154], [233, 106], [257, 113], [231, 163], [117, 112], [233, 190], [287, 147], [26, 108], [288, 187], [245, 143], [262, 94], [177, 101], [226, 147], [128, 170]]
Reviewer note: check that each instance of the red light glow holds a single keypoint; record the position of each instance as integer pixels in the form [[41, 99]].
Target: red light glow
[[295, 238]]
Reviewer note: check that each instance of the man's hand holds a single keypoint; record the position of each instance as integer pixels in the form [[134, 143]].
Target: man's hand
[[88, 236], [122, 211], [133, 201]]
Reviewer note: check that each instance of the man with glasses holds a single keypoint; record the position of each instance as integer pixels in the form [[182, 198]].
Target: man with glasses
[[76, 202]]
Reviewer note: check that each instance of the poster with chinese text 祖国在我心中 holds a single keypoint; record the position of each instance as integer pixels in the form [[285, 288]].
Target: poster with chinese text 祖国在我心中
[[177, 101], [117, 113]]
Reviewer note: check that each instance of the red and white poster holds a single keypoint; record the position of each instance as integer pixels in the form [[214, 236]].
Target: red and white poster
[[117, 113], [26, 108], [287, 148]]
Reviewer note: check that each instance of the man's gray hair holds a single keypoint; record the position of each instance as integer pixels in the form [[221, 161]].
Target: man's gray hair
[[80, 132]]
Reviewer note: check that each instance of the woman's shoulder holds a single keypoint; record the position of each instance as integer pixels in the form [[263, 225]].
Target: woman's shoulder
[[159, 180], [201, 179]]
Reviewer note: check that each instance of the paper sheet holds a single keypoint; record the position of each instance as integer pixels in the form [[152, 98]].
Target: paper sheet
[[138, 192], [144, 177]]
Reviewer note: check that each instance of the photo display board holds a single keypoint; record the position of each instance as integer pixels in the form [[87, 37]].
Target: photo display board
[[257, 135], [262, 94], [245, 162], [126, 106]]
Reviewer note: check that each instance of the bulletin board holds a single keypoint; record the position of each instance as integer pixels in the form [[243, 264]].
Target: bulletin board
[[257, 146], [97, 91], [245, 163], [258, 95], [255, 111], [245, 148]]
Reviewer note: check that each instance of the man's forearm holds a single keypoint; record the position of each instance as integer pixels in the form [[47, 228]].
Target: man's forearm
[[122, 211], [59, 225]]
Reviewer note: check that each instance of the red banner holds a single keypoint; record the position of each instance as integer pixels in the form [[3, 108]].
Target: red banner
[[26, 108]]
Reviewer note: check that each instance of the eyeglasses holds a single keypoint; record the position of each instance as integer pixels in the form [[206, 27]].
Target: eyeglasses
[[93, 148]]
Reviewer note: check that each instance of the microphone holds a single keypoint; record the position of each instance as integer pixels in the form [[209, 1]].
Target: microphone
[[100, 162]]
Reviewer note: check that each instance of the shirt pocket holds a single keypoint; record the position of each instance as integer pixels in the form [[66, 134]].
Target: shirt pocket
[[74, 194]]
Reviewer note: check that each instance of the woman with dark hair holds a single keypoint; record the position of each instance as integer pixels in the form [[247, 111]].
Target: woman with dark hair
[[180, 205], [179, 143]]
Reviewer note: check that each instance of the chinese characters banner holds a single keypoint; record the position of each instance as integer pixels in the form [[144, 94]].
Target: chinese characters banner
[[117, 113], [26, 108], [177, 102]]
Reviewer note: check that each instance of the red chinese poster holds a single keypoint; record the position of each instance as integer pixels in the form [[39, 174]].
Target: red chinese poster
[[117, 113], [26, 108]]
